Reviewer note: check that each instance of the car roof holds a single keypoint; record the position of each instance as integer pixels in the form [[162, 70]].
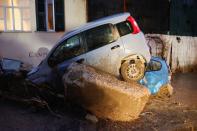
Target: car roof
[[113, 19]]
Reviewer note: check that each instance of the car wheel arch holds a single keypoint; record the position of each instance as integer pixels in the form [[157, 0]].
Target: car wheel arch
[[131, 57]]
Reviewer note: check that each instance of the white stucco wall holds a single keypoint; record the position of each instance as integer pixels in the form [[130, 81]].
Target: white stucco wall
[[31, 48], [75, 13], [33, 14], [179, 51]]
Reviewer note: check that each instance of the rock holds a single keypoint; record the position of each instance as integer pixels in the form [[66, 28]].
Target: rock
[[91, 118], [103, 94], [170, 89]]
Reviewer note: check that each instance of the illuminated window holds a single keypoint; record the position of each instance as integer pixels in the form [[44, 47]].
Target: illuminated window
[[50, 15], [15, 15]]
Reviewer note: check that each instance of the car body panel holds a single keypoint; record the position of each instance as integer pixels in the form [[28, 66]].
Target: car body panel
[[107, 58], [117, 52], [134, 44]]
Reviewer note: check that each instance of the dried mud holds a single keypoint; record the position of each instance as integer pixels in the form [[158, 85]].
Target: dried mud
[[177, 113]]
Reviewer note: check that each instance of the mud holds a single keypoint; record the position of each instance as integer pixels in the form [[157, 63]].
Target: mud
[[186, 88], [159, 115], [103, 94], [177, 113]]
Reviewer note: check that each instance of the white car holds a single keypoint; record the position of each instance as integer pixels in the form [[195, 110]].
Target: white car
[[114, 44]]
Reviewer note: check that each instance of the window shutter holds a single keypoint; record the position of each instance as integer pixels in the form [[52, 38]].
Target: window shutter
[[40, 15], [59, 15]]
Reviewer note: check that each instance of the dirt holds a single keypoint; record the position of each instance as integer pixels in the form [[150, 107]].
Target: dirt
[[185, 88], [160, 114]]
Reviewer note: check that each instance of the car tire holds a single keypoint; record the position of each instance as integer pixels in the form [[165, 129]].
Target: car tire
[[133, 70]]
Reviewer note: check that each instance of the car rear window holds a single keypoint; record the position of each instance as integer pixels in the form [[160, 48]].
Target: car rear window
[[124, 28]]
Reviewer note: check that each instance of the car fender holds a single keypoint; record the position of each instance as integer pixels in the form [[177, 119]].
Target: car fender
[[134, 56]]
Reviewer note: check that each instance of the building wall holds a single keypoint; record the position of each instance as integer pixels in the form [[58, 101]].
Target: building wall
[[33, 14], [32, 46], [75, 13], [175, 17], [151, 15], [100, 8], [179, 51], [183, 18]]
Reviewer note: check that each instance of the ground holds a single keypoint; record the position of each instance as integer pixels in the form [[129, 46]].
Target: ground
[[178, 112]]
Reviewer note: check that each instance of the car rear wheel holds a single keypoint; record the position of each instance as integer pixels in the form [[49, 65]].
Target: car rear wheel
[[133, 70]]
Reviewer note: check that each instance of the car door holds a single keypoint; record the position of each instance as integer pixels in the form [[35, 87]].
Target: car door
[[75, 52], [70, 50], [99, 44]]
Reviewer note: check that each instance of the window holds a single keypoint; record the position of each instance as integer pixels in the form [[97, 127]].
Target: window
[[100, 36], [124, 28], [15, 15], [50, 15], [154, 66], [68, 49]]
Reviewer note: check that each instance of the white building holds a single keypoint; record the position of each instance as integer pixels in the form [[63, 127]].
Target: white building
[[29, 28]]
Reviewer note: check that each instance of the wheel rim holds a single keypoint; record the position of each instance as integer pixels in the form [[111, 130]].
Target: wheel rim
[[132, 71]]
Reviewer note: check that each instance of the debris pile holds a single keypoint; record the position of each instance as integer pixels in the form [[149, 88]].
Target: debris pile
[[100, 93]]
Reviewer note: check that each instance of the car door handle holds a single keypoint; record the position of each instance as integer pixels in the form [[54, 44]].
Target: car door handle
[[80, 60], [114, 47]]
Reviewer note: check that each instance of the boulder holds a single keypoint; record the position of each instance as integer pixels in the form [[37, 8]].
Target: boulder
[[103, 94]]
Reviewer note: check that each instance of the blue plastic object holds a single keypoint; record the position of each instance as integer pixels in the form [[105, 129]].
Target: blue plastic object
[[156, 75]]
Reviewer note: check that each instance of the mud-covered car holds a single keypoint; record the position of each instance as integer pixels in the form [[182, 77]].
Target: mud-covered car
[[157, 75], [114, 44]]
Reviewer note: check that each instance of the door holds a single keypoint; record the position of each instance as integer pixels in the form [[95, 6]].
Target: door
[[70, 50], [101, 41]]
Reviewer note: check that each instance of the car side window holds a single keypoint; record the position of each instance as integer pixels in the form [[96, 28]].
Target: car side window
[[100, 36], [154, 66], [68, 49], [124, 28]]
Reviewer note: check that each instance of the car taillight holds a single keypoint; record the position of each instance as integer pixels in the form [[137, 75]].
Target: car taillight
[[134, 24]]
